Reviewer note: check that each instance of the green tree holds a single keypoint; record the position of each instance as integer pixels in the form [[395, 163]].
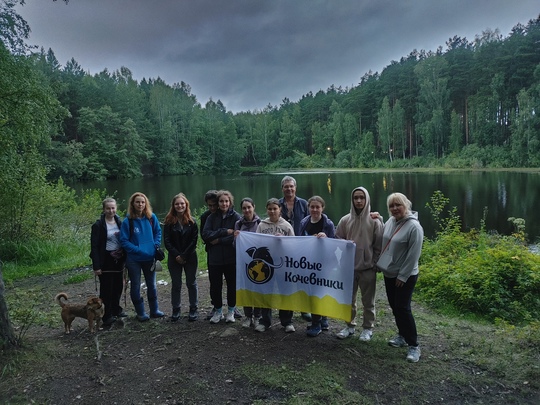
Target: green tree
[[320, 139], [384, 125], [399, 130], [524, 142], [14, 30], [433, 105], [290, 136], [28, 111], [264, 133], [113, 148], [365, 156], [456, 135], [336, 128]]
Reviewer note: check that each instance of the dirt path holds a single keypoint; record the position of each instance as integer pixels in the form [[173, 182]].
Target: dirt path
[[159, 362]]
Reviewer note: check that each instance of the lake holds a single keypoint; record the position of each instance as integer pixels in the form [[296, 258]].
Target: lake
[[504, 193]]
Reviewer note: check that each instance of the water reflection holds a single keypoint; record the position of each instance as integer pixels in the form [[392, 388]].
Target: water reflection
[[504, 194]]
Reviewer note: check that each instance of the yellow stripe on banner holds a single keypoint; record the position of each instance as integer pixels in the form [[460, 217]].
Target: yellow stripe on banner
[[299, 301]]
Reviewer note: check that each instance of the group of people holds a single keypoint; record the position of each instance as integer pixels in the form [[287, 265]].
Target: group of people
[[392, 248]]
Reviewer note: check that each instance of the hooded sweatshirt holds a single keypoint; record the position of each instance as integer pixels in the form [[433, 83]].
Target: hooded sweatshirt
[[405, 246], [364, 231], [141, 242], [281, 227], [248, 226]]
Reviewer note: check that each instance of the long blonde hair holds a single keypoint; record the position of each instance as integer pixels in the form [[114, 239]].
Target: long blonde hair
[[147, 212]]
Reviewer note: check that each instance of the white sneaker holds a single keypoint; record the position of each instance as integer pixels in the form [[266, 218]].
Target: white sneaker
[[260, 328], [289, 329], [229, 317], [255, 322], [366, 335], [345, 333], [218, 316], [247, 323], [414, 354]]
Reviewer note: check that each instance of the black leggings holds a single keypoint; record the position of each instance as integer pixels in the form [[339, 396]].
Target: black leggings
[[216, 273], [111, 285], [399, 299]]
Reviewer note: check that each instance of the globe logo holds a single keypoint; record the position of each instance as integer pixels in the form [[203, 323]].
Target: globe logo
[[261, 269], [259, 272]]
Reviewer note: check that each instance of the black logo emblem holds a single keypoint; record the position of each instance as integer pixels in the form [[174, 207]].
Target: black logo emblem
[[261, 269]]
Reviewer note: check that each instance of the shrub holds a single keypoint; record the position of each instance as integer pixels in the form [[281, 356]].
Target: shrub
[[488, 275]]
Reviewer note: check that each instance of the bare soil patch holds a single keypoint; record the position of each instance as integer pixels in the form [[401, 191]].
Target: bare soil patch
[[161, 362]]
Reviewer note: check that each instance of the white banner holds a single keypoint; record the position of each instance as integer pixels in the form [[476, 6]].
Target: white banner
[[299, 273]]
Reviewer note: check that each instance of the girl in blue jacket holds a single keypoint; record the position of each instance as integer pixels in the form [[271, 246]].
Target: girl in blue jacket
[[140, 235]]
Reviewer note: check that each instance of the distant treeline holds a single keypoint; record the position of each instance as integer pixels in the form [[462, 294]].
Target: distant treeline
[[474, 104]]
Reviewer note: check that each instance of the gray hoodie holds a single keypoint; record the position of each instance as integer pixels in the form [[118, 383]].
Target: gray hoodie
[[405, 246], [281, 227], [364, 231]]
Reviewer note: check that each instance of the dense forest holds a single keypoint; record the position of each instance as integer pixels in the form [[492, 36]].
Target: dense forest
[[470, 105]]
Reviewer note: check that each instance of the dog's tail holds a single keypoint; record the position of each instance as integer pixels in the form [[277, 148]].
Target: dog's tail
[[59, 297]]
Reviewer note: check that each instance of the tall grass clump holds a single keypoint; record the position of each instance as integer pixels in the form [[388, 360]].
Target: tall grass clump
[[493, 276], [61, 238]]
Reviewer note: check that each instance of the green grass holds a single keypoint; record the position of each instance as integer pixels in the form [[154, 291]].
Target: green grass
[[46, 258], [79, 278], [314, 384]]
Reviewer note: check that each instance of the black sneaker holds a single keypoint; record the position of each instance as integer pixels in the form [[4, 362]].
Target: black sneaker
[[193, 315], [175, 315], [109, 321], [314, 330]]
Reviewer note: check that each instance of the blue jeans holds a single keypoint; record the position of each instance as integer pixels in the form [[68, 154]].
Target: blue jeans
[[134, 271], [399, 299]]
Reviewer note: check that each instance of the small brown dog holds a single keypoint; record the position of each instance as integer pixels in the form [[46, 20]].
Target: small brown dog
[[93, 310]]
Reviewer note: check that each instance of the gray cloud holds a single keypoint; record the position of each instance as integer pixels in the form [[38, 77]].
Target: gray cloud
[[249, 53]]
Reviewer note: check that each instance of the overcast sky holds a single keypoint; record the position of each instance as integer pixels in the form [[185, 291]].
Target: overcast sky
[[249, 53]]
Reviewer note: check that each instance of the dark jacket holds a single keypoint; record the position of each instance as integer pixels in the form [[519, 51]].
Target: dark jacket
[[181, 240], [98, 241], [300, 211], [223, 252], [328, 226], [204, 217]]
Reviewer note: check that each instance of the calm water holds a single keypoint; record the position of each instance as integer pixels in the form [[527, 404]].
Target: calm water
[[505, 194]]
